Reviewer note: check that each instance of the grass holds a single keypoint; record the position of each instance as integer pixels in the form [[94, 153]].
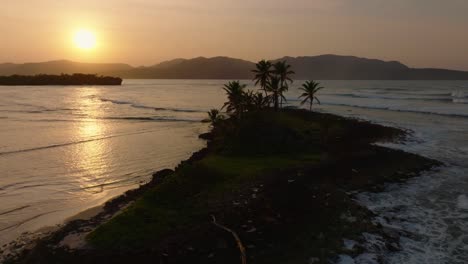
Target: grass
[[187, 197]]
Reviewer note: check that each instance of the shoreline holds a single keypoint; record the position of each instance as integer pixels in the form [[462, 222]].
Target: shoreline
[[71, 236]]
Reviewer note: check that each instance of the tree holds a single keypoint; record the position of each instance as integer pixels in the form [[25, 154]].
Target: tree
[[215, 116], [236, 98], [263, 74], [276, 91], [283, 71], [260, 101], [310, 89]]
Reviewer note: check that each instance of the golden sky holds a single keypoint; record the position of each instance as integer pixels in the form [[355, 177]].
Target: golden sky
[[419, 33]]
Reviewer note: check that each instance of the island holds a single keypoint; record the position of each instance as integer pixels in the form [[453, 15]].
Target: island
[[280, 181], [63, 79], [273, 185]]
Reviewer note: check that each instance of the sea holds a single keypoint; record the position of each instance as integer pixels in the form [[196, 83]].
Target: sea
[[64, 150]]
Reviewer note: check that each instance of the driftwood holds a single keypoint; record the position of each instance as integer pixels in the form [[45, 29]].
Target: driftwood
[[243, 254]]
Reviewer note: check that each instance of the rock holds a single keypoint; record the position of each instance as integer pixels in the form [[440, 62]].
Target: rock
[[313, 260], [206, 136], [160, 175], [253, 229]]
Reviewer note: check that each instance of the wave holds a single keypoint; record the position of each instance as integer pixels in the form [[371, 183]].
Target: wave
[[43, 110], [14, 210], [179, 110], [71, 143], [460, 101], [117, 102], [447, 99], [442, 99], [131, 118], [452, 97], [160, 119], [400, 110], [421, 92], [16, 225], [134, 105]]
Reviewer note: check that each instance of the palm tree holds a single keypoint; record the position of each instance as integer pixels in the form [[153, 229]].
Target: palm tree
[[214, 116], [260, 101], [310, 89], [283, 70], [276, 91], [263, 74], [236, 98]]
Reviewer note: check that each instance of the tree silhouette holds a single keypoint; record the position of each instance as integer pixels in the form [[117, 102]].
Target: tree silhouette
[[310, 89], [263, 74], [215, 116], [283, 71], [276, 91], [236, 98]]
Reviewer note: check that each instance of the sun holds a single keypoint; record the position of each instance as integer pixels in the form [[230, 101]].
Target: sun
[[85, 39]]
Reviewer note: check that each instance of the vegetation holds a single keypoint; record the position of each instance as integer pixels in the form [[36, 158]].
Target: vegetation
[[63, 79], [283, 73], [273, 80], [215, 117], [263, 73], [310, 89]]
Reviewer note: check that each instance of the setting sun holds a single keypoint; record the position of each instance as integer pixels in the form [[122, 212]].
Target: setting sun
[[85, 39]]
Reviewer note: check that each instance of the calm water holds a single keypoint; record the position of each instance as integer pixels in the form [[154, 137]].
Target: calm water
[[67, 149]]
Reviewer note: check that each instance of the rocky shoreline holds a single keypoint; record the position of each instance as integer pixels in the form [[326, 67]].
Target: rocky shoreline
[[302, 212]]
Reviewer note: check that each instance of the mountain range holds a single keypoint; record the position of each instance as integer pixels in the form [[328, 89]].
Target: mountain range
[[323, 67]]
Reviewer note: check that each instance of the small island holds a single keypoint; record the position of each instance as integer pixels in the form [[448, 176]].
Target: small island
[[63, 79], [274, 184]]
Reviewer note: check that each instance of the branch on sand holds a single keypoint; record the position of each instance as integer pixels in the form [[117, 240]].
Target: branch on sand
[[243, 255]]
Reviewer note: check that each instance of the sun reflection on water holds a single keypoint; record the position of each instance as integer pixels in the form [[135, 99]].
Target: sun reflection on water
[[91, 156]]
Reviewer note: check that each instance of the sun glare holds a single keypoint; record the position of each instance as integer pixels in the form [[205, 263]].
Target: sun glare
[[85, 39]]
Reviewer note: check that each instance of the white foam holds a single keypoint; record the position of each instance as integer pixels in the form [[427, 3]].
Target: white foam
[[349, 244], [462, 202], [345, 259]]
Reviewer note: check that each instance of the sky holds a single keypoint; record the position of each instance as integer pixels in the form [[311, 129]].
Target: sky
[[419, 33]]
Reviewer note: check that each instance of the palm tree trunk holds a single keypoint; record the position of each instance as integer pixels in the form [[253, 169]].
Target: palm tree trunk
[[281, 87], [276, 102], [310, 105]]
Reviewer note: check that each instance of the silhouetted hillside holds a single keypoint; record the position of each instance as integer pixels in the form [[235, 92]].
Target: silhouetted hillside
[[197, 68], [332, 67], [324, 67]]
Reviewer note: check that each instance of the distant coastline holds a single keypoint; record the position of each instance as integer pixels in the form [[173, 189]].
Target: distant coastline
[[63, 79], [323, 67]]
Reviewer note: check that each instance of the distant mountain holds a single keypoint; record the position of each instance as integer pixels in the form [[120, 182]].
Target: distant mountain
[[61, 66], [334, 67], [324, 67], [197, 68]]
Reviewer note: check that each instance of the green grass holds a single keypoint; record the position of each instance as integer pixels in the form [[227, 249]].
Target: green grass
[[186, 198]]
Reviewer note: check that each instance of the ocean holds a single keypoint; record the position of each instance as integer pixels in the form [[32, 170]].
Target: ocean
[[64, 150]]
